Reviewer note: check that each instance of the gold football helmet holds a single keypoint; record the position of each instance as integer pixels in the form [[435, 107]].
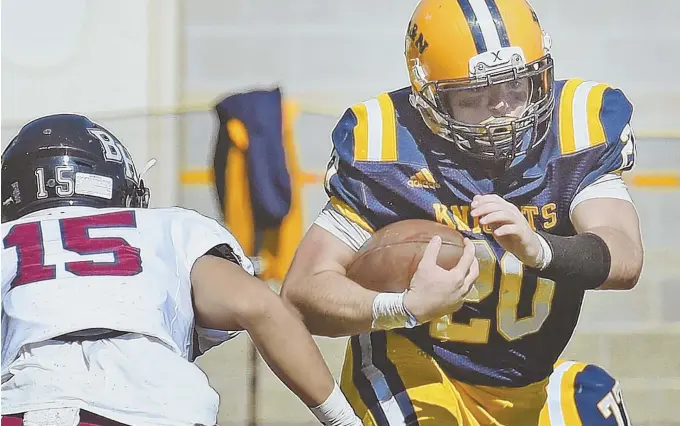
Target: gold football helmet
[[481, 75]]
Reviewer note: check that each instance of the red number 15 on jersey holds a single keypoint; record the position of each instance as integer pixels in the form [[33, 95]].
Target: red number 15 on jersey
[[75, 237]]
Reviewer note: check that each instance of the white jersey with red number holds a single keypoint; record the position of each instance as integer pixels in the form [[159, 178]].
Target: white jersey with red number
[[71, 269]]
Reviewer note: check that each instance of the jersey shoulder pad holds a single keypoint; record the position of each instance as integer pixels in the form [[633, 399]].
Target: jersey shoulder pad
[[581, 375], [195, 235], [580, 393], [191, 219], [590, 114], [344, 185], [364, 137], [367, 131]]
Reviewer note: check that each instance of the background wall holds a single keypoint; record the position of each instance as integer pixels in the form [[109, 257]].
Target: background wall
[[116, 60], [151, 70]]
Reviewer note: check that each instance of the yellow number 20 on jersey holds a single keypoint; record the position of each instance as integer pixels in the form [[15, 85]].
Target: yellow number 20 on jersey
[[510, 285]]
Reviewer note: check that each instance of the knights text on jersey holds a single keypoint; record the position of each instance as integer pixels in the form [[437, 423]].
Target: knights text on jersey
[[387, 166], [70, 269]]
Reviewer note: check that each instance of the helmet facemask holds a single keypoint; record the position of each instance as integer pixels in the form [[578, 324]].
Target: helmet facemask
[[141, 193], [496, 138]]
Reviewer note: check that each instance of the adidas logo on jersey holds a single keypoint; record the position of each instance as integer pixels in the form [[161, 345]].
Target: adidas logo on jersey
[[423, 179]]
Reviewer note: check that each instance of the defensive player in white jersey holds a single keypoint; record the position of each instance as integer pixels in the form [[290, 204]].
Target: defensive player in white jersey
[[100, 295]]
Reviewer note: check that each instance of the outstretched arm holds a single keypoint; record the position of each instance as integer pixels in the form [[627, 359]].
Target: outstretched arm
[[227, 297]]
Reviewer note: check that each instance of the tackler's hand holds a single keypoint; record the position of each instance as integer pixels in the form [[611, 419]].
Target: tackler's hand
[[510, 227], [436, 291]]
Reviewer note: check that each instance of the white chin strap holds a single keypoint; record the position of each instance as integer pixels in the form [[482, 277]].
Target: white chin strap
[[149, 164]]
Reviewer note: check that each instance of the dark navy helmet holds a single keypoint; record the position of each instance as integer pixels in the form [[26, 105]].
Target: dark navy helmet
[[67, 160]]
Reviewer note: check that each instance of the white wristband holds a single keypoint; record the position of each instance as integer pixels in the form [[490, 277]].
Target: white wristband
[[546, 253], [389, 312], [335, 410]]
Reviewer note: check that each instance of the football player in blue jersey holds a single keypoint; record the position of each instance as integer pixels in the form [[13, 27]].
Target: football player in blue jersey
[[529, 169]]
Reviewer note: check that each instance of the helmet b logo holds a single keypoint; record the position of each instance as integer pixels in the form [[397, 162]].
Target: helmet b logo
[[115, 151]]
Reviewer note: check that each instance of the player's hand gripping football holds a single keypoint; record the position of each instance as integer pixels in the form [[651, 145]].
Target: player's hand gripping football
[[435, 291], [510, 227]]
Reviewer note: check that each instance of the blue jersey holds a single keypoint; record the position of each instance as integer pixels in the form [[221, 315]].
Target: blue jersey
[[388, 166]]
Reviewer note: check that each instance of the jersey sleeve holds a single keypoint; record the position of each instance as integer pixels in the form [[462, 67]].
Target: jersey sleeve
[[195, 235], [616, 153], [208, 338], [364, 141], [344, 181], [610, 185], [347, 231]]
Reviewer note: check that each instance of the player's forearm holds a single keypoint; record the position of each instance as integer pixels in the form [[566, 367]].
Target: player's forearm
[[330, 303], [607, 251], [599, 257], [289, 350], [626, 258], [226, 296]]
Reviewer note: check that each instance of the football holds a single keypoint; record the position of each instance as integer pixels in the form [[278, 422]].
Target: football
[[388, 260]]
